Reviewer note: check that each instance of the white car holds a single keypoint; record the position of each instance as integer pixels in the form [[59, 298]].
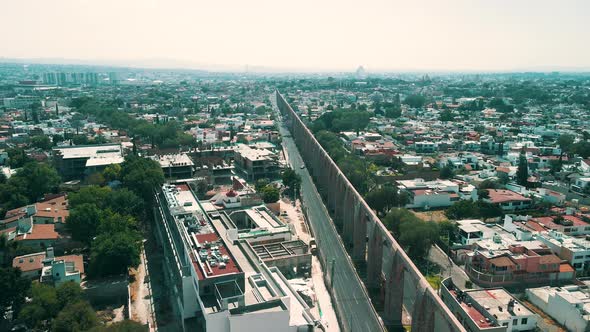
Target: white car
[[302, 166]]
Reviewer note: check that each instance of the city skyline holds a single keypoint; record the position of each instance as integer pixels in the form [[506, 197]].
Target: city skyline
[[330, 36]]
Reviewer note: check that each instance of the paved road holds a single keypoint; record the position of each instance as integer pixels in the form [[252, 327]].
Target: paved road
[[449, 268], [356, 306]]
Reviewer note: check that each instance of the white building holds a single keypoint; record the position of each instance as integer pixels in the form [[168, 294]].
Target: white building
[[487, 310], [575, 250], [219, 281], [437, 193], [568, 305]]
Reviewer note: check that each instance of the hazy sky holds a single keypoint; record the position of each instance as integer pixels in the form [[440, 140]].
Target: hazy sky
[[305, 34]]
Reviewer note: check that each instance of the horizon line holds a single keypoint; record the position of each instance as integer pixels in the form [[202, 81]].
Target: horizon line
[[189, 65]]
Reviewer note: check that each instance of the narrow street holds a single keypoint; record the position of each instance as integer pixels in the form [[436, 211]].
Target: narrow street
[[449, 268]]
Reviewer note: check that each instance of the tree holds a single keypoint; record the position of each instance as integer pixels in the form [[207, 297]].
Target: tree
[[95, 179], [447, 172], [122, 326], [114, 253], [43, 306], [292, 180], [68, 292], [555, 166], [260, 184], [446, 116], [83, 222], [565, 142], [77, 316], [36, 179], [503, 178], [142, 176], [14, 288], [522, 173], [384, 198], [392, 110], [468, 209], [90, 195], [112, 222], [487, 210], [418, 237], [112, 172], [461, 210], [41, 142], [125, 201], [56, 138], [489, 184], [202, 187], [396, 217], [449, 231], [270, 194], [415, 101], [17, 157]]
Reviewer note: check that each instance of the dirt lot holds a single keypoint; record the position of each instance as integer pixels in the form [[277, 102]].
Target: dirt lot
[[436, 215]]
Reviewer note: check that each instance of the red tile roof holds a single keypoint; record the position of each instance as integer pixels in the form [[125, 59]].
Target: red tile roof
[[503, 195]]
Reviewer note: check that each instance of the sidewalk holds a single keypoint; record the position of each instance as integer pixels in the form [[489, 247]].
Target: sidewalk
[[142, 308]]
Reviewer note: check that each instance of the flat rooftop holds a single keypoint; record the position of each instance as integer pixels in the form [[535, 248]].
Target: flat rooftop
[[90, 151], [174, 160], [495, 301], [262, 218], [214, 259]]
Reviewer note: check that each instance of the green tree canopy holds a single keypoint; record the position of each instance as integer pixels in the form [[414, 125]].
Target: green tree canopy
[[415, 101], [14, 289], [447, 172], [83, 222], [270, 194], [122, 326], [142, 176], [41, 142], [36, 179], [464, 209], [292, 180], [68, 292], [75, 317], [522, 173], [43, 306], [114, 253], [384, 198]]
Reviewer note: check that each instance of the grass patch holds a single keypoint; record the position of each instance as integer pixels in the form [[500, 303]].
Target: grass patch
[[434, 281]]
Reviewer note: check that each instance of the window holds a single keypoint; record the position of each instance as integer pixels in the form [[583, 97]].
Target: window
[[524, 321], [515, 322], [504, 324]]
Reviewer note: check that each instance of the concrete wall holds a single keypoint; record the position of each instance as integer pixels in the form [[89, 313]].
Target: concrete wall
[[372, 244]]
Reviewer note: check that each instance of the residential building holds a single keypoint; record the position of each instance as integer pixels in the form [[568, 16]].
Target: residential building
[[37, 236], [567, 305], [498, 262], [437, 193], [508, 200], [43, 266], [576, 251], [487, 310], [53, 210]]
